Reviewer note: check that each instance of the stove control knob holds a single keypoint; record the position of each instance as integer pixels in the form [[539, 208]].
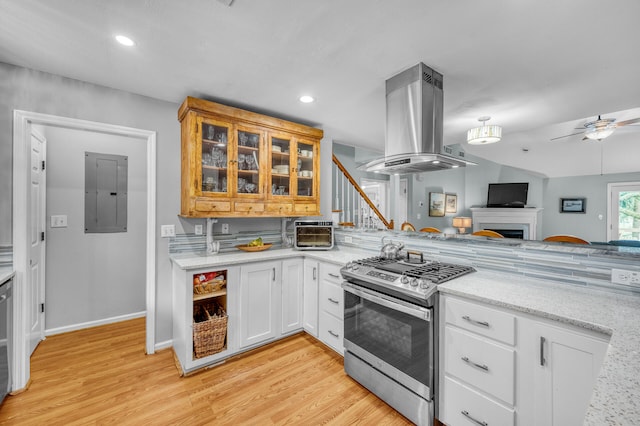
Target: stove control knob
[[404, 279], [423, 283], [426, 284], [349, 266], [413, 282]]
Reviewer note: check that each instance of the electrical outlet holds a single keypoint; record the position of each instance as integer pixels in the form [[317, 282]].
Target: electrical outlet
[[225, 228], [198, 230], [622, 276], [348, 239], [167, 231], [418, 216]]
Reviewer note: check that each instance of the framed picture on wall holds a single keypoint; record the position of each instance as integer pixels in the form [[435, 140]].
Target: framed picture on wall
[[436, 204], [573, 205], [451, 203]]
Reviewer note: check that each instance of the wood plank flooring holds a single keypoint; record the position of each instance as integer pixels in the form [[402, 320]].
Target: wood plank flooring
[[102, 376]]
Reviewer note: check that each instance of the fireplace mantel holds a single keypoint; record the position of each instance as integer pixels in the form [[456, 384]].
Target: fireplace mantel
[[526, 219]]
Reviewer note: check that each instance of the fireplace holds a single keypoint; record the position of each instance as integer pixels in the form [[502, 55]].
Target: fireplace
[[510, 233], [510, 222]]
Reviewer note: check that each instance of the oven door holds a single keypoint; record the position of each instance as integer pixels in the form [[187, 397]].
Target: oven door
[[394, 336]]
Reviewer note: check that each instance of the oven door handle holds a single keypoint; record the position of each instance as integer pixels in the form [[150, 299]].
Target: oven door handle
[[381, 299]]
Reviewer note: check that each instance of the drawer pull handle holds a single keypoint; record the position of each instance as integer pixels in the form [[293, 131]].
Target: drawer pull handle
[[480, 366], [314, 273], [478, 422], [334, 301], [334, 275], [482, 323], [542, 360], [333, 334]]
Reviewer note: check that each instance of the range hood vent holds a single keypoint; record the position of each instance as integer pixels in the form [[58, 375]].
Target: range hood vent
[[414, 138]]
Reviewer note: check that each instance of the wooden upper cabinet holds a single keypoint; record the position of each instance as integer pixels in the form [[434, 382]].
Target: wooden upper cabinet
[[237, 163]]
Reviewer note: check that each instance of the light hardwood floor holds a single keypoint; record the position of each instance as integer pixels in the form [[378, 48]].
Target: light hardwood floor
[[102, 376]]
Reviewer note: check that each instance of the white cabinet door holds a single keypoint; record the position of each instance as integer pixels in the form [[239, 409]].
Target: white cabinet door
[[292, 290], [259, 302], [310, 295], [566, 366]]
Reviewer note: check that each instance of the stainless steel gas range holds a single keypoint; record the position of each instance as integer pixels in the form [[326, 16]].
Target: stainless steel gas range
[[390, 329]]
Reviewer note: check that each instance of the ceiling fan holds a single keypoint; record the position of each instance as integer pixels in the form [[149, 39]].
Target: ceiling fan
[[600, 129]]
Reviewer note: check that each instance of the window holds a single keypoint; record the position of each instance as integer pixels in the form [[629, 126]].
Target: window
[[624, 211]]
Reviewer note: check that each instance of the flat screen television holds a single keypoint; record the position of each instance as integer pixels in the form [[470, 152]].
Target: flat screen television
[[507, 194]]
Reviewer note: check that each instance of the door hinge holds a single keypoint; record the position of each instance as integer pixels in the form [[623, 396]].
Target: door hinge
[[42, 308], [42, 236], [42, 164]]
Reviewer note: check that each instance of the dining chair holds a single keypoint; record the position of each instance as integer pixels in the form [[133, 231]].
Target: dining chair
[[406, 226], [488, 233], [430, 229], [566, 239]]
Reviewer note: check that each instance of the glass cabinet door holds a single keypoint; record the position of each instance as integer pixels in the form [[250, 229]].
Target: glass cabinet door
[[249, 156], [214, 137], [280, 166], [305, 169]]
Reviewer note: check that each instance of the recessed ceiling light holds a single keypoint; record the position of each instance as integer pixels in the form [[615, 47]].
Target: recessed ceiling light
[[306, 99], [125, 41]]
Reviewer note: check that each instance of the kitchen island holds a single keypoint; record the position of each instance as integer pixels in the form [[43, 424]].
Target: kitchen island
[[611, 313]]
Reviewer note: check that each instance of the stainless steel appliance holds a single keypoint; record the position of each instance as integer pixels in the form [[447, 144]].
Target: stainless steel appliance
[[313, 235], [390, 329], [414, 135], [5, 338]]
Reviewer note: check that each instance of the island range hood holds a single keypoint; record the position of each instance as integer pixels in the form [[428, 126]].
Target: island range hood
[[414, 140]]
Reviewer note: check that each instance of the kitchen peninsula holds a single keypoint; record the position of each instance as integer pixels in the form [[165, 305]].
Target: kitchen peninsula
[[528, 278]]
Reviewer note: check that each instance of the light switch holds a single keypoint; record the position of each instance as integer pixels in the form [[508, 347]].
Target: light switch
[[59, 221], [198, 230]]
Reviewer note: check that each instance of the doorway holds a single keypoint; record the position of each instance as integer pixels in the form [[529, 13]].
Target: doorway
[[623, 211], [22, 232]]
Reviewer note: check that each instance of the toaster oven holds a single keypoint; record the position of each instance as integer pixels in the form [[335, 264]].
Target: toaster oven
[[313, 235]]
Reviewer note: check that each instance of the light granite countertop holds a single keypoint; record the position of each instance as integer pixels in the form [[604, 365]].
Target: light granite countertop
[[5, 274], [617, 391]]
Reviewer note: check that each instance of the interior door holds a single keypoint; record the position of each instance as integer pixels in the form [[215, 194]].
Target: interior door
[[37, 203], [624, 211]]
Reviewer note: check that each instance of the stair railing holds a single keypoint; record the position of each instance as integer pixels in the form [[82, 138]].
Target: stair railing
[[352, 203]]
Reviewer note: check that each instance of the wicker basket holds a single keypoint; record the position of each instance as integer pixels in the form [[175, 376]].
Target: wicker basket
[[209, 286], [209, 329]]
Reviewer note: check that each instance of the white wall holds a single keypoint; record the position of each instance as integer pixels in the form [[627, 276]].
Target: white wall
[[102, 273], [35, 91]]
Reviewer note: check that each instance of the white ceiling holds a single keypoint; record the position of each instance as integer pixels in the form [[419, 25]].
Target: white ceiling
[[539, 69]]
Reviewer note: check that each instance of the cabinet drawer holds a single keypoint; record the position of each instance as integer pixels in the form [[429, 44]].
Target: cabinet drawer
[[213, 206], [249, 207], [306, 208], [330, 272], [482, 320], [332, 299], [459, 399], [331, 331], [280, 207], [480, 362]]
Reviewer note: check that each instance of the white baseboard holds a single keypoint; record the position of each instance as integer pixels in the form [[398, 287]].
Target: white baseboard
[[74, 327], [163, 345]]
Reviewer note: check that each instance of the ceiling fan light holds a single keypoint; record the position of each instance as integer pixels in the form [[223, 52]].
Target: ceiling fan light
[[484, 135], [599, 134]]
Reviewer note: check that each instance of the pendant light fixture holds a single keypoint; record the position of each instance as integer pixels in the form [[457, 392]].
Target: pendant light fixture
[[485, 134]]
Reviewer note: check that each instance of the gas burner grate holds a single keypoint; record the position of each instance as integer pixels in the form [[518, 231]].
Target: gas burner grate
[[436, 272]]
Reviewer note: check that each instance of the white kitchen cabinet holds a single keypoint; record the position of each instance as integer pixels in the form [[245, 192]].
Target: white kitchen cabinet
[[292, 294], [260, 302], [310, 296], [558, 371], [331, 307], [184, 301], [505, 367]]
